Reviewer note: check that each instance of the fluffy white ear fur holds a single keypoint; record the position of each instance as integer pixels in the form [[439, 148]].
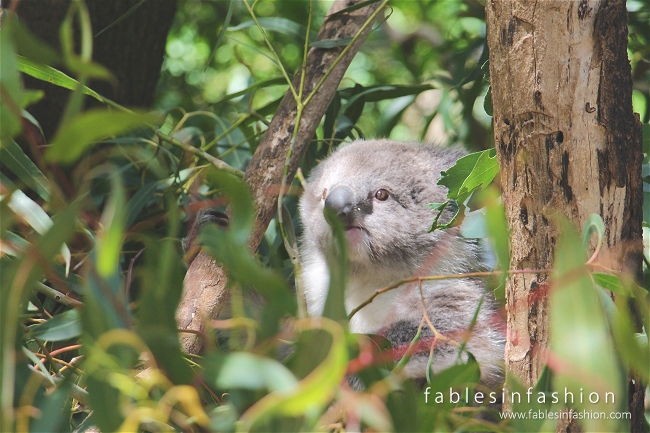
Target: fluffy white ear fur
[[389, 241]]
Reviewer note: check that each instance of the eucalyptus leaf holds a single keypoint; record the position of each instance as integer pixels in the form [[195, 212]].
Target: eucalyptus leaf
[[338, 270], [31, 97], [645, 127], [161, 285], [247, 371], [582, 354], [36, 217], [109, 238], [331, 43], [30, 47], [61, 327], [311, 392], [54, 76], [74, 137], [594, 224], [277, 24], [139, 200], [15, 159], [10, 80]]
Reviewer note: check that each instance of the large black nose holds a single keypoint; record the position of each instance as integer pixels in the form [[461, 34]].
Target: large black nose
[[340, 200]]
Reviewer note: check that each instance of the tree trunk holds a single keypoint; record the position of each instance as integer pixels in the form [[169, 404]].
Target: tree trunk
[[205, 290], [132, 50], [567, 142]]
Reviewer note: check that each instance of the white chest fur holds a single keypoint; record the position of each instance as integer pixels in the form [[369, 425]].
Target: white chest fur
[[383, 311]]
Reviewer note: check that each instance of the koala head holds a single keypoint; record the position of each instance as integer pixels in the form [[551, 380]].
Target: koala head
[[380, 190]]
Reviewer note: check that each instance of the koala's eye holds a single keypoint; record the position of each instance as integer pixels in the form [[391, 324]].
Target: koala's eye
[[381, 195], [324, 193]]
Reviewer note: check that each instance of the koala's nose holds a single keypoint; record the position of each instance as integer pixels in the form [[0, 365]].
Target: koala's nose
[[340, 200]]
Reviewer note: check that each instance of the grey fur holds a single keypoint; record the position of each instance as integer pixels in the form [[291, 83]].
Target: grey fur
[[390, 242]]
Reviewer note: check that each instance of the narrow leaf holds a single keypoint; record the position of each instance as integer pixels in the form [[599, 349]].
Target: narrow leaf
[[53, 76], [280, 25], [61, 327], [109, 239], [10, 81], [21, 165], [75, 136]]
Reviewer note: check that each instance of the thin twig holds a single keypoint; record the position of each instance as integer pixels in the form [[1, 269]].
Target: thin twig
[[275, 54], [345, 50], [198, 152], [226, 132], [59, 297], [409, 350], [443, 277], [129, 274], [303, 69], [425, 316], [78, 393]]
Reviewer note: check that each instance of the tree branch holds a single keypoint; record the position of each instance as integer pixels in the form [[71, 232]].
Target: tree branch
[[205, 290]]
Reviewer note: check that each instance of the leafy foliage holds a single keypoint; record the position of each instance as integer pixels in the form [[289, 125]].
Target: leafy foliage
[[91, 267]]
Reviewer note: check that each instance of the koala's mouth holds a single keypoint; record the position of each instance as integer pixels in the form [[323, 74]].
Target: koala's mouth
[[351, 229], [356, 236]]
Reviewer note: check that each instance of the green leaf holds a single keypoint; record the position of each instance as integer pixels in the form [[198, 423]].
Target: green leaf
[[645, 128], [161, 286], [331, 116], [230, 248], [582, 354], [13, 244], [381, 93], [30, 212], [54, 76], [10, 81], [110, 237], [54, 410], [338, 268], [257, 85], [280, 25], [392, 114], [27, 45], [90, 69], [633, 347], [470, 173], [124, 16], [61, 327], [594, 224], [538, 402], [499, 232], [487, 102], [31, 97], [331, 43], [82, 64], [312, 392], [454, 177], [610, 282], [139, 200], [105, 305], [222, 33], [21, 165], [354, 7], [247, 371], [36, 217], [75, 136], [483, 173]]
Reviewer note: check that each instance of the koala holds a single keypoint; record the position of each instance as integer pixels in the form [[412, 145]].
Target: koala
[[380, 189]]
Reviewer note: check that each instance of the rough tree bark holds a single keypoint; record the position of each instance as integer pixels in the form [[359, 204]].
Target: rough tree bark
[[132, 50], [567, 141], [205, 291]]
